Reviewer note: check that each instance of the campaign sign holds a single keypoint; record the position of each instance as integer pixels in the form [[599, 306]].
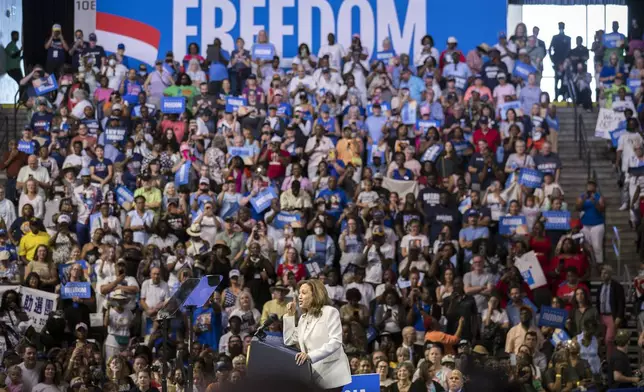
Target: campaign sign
[[76, 289], [465, 205], [531, 270], [182, 176], [634, 84], [234, 103], [230, 210], [175, 105], [363, 383], [607, 120], [424, 125], [408, 113], [263, 51], [123, 195], [241, 151], [530, 178], [432, 153], [508, 224], [286, 218], [115, 134], [384, 107], [460, 147], [523, 70], [263, 199], [558, 336], [45, 85], [385, 56], [615, 134], [613, 40], [557, 220], [516, 105], [551, 317], [26, 147]]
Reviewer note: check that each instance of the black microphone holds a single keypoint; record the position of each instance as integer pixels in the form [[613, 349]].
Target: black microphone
[[261, 331]]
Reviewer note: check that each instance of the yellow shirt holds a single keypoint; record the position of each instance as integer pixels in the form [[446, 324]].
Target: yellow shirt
[[273, 306], [151, 196], [30, 242]]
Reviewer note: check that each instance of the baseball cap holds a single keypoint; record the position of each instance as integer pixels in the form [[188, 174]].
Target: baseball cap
[[276, 139], [56, 27], [204, 180], [63, 218], [81, 325], [121, 46], [234, 273], [325, 108], [252, 76], [483, 120], [452, 40], [92, 37], [501, 75], [272, 107]]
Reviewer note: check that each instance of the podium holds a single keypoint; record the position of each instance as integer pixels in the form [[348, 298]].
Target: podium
[[267, 360]]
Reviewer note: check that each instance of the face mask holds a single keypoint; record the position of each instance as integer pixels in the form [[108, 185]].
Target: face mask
[[112, 62], [143, 73], [288, 231], [319, 230]]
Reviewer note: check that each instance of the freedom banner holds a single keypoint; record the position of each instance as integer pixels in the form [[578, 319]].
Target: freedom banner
[[607, 120], [385, 56], [509, 225], [263, 199], [45, 85], [363, 383], [424, 125], [38, 304], [240, 152], [234, 103], [123, 195], [76, 289], [531, 270], [634, 84], [263, 51], [115, 134], [516, 105], [432, 153], [557, 220], [530, 178], [523, 70], [286, 218], [551, 317], [384, 107], [176, 105]]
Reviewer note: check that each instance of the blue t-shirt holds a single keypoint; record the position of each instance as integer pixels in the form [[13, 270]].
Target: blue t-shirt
[[591, 216], [408, 176], [471, 234], [40, 121], [608, 71], [56, 53], [336, 200], [332, 171], [100, 167], [208, 322]]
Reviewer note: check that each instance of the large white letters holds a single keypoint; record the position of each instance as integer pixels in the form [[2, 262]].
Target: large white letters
[[247, 27], [180, 28], [305, 21], [345, 24], [276, 27], [209, 29], [414, 26]]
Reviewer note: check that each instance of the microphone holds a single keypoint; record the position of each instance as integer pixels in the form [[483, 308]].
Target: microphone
[[261, 331]]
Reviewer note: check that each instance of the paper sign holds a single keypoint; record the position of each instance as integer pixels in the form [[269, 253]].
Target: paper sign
[[460, 147], [530, 178], [26, 147], [432, 153], [385, 56], [175, 105], [615, 134], [234, 103], [241, 151], [633, 84], [363, 383], [76, 289], [531, 270], [263, 51], [509, 225], [557, 220], [424, 125], [123, 195], [263, 200], [283, 218], [620, 106], [465, 205], [607, 120], [384, 107], [45, 85], [182, 176], [516, 105], [523, 70], [313, 268], [38, 304], [115, 134], [231, 210], [408, 113], [551, 317]]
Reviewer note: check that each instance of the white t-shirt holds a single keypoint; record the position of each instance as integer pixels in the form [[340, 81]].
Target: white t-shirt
[[419, 239], [373, 272], [498, 317], [118, 325], [335, 52], [625, 144]]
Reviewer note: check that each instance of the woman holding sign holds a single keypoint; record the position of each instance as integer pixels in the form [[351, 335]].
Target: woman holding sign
[[76, 302]]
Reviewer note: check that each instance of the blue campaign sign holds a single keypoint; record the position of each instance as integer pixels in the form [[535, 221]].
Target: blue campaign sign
[[424, 125], [241, 151], [558, 336], [234, 103], [633, 84], [115, 134], [432, 153], [384, 107], [263, 199], [516, 105], [26, 147], [385, 56], [123, 195], [263, 51], [230, 210], [176, 105], [363, 383], [530, 178], [45, 85], [460, 147], [174, 24], [508, 224], [286, 218], [408, 113], [551, 317], [523, 70], [76, 289], [557, 220], [613, 40], [182, 176], [615, 134]]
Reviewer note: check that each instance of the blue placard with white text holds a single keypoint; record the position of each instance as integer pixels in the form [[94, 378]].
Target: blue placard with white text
[[613, 40], [504, 107], [384, 107], [615, 134], [263, 199], [363, 383], [557, 220], [633, 84], [263, 51], [234, 103], [460, 147], [523, 70], [424, 125], [530, 178], [285, 218], [508, 224], [551, 317], [45, 85], [76, 289], [115, 134], [385, 56], [173, 105], [432, 153], [123, 195], [240, 151]]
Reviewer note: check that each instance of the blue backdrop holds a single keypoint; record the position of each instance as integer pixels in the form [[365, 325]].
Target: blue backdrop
[[291, 22]]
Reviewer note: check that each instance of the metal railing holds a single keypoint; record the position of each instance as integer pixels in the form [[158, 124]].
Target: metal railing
[[583, 146], [5, 133]]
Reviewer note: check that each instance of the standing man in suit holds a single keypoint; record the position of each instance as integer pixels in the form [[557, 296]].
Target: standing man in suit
[[319, 334], [610, 304], [558, 51]]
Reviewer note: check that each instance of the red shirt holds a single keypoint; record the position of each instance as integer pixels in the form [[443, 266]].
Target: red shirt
[[492, 138], [567, 293], [276, 169], [298, 270], [504, 290], [579, 261]]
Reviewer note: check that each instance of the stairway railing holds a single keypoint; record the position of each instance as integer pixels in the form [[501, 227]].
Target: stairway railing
[[582, 143]]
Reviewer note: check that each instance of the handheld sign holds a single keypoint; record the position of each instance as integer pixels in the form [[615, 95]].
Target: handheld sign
[[615, 134], [284, 218], [523, 70], [363, 383], [385, 56], [509, 225], [531, 270], [384, 107], [634, 84], [76, 289], [551, 317], [607, 121], [263, 199], [115, 134], [26, 147], [516, 105], [182, 176], [176, 105], [424, 125], [123, 195], [241, 152], [45, 85], [234, 103], [530, 178], [432, 153], [408, 113], [263, 51], [557, 220]]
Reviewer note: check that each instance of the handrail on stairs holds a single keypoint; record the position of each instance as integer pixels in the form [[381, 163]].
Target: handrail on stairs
[[582, 144]]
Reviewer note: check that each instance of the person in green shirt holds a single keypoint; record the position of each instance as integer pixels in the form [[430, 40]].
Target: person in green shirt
[[14, 55], [183, 88]]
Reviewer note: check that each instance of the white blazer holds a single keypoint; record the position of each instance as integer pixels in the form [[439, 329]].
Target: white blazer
[[321, 338]]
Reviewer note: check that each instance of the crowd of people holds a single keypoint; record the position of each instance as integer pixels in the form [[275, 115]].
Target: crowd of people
[[414, 186]]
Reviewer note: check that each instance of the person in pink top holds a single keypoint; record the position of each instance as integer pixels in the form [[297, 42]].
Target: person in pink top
[[504, 89], [14, 379]]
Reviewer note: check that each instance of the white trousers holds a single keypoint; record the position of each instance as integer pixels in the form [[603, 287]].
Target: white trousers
[[595, 236]]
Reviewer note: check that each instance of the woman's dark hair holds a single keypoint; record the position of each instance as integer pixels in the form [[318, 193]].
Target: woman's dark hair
[[4, 306], [383, 297], [41, 378], [195, 45], [303, 45], [32, 276], [423, 370], [429, 37], [586, 300], [573, 246], [353, 294]]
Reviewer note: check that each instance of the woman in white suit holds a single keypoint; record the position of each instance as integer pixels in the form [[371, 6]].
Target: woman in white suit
[[319, 335]]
